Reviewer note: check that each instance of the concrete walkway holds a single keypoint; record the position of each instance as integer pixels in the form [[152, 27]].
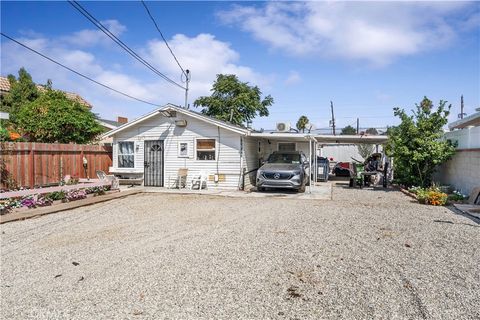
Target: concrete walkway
[[322, 191]]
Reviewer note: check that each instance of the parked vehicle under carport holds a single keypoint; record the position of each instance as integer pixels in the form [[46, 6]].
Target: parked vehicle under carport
[[284, 169]]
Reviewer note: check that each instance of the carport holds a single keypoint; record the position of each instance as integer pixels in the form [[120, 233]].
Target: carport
[[308, 143], [303, 142]]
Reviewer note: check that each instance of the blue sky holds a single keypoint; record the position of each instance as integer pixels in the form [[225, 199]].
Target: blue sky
[[367, 57]]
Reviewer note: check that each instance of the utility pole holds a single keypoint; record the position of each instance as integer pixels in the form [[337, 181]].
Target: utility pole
[[187, 80], [461, 107], [358, 126], [333, 118]]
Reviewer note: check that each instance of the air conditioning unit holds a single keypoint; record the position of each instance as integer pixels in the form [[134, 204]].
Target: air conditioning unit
[[283, 127]]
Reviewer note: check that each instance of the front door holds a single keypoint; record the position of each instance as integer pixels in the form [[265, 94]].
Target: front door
[[153, 163]]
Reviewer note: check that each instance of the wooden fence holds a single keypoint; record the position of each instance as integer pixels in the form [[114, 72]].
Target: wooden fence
[[42, 164]]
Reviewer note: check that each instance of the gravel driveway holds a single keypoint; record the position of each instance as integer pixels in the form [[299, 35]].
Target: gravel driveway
[[365, 254]]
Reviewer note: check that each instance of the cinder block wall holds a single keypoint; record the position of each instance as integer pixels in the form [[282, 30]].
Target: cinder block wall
[[461, 172]]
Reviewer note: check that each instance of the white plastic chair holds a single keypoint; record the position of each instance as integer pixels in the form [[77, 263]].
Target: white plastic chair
[[108, 178], [200, 180]]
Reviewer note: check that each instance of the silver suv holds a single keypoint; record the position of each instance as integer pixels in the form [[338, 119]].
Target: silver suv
[[284, 169]]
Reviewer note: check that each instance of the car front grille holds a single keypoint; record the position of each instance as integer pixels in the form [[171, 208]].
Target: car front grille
[[281, 175]]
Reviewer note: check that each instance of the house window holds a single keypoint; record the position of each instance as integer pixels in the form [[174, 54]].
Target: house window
[[205, 149], [286, 146], [126, 155]]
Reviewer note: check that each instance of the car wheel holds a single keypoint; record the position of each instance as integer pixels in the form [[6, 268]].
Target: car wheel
[[261, 189], [351, 183]]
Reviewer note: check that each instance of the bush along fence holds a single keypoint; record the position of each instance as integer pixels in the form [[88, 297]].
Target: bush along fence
[[28, 164]]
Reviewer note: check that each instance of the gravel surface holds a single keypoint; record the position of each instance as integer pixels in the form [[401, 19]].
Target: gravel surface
[[366, 254]]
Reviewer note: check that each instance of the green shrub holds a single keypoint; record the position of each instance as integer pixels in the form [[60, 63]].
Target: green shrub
[[56, 195]]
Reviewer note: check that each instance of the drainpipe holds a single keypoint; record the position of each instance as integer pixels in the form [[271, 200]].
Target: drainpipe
[[310, 160], [241, 185]]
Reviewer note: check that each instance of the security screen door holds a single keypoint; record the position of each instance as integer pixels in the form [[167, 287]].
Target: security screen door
[[153, 163]]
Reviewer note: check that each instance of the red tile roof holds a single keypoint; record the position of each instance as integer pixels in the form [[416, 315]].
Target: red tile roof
[[5, 87]]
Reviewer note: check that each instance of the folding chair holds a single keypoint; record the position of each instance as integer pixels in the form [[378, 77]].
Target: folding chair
[[180, 181]]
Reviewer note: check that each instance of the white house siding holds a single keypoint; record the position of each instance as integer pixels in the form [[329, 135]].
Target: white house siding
[[161, 128]]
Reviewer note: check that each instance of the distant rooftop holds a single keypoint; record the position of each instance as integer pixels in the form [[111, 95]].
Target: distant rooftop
[[5, 87], [471, 120]]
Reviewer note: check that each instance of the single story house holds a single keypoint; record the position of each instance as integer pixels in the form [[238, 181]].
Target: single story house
[[155, 146]]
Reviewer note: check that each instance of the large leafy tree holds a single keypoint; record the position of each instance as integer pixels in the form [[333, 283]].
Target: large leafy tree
[[417, 144], [52, 117], [22, 91], [348, 130], [234, 101], [302, 123]]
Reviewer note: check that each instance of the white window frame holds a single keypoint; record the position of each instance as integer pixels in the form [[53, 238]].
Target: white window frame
[[286, 142], [216, 149], [188, 149], [128, 154]]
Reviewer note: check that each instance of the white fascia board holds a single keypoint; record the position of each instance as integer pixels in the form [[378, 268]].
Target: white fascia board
[[461, 123], [281, 136], [215, 122], [177, 109]]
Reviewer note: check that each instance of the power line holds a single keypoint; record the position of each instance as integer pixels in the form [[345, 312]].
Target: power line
[[107, 32], [76, 72], [164, 40]]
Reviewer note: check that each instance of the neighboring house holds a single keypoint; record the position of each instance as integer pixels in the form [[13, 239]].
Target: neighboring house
[[463, 171], [109, 125], [5, 88], [155, 146]]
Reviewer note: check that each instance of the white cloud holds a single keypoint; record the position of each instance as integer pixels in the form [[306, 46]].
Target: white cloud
[[293, 78], [375, 32], [91, 37], [205, 55]]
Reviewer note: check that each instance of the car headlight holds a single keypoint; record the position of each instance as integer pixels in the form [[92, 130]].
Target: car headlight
[[296, 173]]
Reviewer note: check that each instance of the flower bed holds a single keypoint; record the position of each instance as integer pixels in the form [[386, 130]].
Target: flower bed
[[42, 200], [435, 197]]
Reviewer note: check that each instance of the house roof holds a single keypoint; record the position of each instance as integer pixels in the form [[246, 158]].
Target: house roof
[[5, 87], [471, 120], [111, 124], [193, 114]]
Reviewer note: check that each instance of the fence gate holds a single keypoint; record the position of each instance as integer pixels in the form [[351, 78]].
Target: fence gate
[[153, 163]]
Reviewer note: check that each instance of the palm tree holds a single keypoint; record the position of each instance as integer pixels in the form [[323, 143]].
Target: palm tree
[[302, 123]]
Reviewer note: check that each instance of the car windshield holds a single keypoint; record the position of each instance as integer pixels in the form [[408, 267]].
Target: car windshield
[[291, 158]]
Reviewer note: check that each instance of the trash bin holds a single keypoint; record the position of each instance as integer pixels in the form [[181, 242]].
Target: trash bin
[[323, 168]]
